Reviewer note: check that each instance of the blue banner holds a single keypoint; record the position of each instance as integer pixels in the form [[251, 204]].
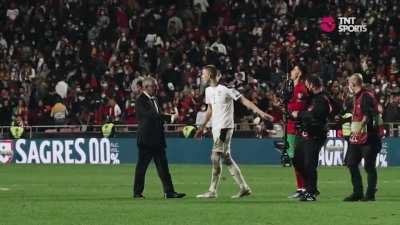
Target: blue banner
[[179, 150]]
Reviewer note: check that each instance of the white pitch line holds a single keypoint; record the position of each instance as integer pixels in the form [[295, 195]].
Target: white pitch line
[[4, 189]]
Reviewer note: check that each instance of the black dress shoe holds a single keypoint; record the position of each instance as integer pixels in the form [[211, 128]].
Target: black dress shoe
[[368, 198], [138, 196], [174, 195], [370, 195], [354, 198]]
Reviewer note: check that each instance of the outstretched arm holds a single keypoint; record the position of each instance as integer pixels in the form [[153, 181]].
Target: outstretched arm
[[250, 105]]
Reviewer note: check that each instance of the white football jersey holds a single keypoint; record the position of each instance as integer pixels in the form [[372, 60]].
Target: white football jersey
[[221, 99]]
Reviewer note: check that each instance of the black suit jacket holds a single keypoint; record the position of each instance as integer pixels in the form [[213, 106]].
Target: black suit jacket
[[150, 132]]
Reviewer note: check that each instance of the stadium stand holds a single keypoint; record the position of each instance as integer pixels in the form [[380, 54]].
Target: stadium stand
[[81, 61]]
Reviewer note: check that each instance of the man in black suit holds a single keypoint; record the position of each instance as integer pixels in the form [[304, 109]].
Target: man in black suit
[[151, 141]]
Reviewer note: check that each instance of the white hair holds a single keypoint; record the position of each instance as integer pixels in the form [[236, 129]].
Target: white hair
[[148, 81]]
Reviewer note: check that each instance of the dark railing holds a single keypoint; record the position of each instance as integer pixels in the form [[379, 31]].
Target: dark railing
[[31, 131], [392, 129]]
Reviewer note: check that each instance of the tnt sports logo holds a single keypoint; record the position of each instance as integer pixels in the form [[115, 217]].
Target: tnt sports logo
[[346, 24], [6, 152], [328, 24]]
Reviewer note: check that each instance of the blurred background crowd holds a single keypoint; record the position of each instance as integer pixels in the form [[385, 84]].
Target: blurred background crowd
[[82, 61]]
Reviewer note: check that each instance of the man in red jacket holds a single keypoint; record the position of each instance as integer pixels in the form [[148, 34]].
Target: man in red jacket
[[296, 103]]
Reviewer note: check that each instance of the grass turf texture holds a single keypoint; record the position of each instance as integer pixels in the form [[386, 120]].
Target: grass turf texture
[[72, 194]]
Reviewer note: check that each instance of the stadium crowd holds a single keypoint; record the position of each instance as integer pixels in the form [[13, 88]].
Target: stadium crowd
[[82, 61]]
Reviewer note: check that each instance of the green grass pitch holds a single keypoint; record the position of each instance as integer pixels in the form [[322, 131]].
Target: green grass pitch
[[97, 195]]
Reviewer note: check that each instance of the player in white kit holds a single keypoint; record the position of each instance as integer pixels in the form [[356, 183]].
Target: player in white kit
[[220, 110]]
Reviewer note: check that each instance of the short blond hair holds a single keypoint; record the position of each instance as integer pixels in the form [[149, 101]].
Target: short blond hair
[[212, 70], [356, 79]]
